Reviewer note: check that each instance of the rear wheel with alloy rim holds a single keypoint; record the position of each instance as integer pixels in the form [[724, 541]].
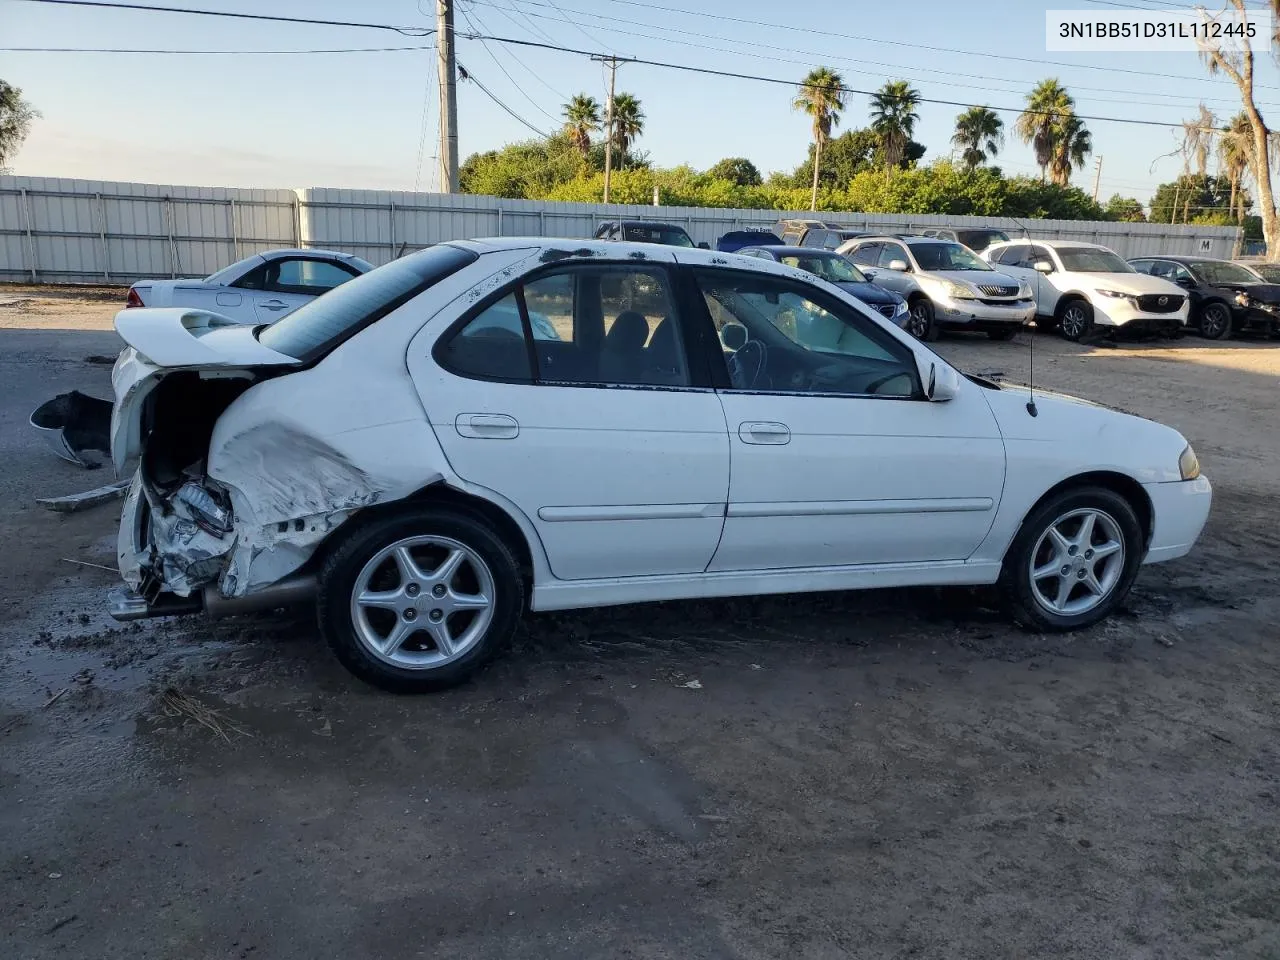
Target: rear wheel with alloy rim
[[1074, 559], [420, 600], [1215, 321], [1074, 319], [921, 324]]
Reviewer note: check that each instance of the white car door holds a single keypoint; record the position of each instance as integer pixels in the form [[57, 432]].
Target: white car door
[[283, 285], [600, 430], [836, 457]]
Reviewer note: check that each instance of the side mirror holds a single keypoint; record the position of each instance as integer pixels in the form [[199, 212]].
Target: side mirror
[[1185, 282], [1042, 266], [899, 265], [704, 245], [941, 381], [868, 273], [733, 336]]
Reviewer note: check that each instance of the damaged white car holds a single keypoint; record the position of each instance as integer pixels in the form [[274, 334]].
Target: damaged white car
[[491, 426]]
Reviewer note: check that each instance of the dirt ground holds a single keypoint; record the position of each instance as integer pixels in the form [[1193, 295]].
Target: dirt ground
[[890, 774]]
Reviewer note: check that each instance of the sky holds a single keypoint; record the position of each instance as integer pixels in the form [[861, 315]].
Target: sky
[[369, 119]]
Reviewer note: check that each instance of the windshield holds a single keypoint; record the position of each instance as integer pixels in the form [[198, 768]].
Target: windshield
[[1092, 260], [317, 327], [834, 268], [658, 233], [1269, 272], [946, 256], [1219, 271], [981, 239]]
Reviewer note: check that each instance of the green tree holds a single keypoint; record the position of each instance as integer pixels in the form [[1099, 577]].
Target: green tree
[[1191, 196], [1235, 159], [628, 124], [1044, 124], [581, 119], [16, 117], [979, 136], [522, 170], [821, 96], [1072, 147], [1126, 209], [893, 119], [737, 170]]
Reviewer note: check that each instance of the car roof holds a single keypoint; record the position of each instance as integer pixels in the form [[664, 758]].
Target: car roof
[[1182, 258], [641, 223], [1053, 244], [794, 251], [299, 252]]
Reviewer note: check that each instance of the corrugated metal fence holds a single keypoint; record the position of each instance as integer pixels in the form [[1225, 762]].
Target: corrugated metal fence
[[85, 231]]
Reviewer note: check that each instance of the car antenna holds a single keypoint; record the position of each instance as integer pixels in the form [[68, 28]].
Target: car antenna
[[1031, 386]]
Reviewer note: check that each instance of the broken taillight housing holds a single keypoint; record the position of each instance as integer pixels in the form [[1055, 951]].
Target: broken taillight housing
[[133, 300], [209, 514]]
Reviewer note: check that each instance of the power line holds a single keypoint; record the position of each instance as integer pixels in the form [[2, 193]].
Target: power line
[[423, 127], [213, 53], [464, 74], [537, 106], [986, 83], [406, 31], [533, 73]]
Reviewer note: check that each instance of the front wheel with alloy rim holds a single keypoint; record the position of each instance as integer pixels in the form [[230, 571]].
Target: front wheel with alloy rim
[[1215, 321], [419, 600], [921, 323], [1074, 559], [1074, 319]]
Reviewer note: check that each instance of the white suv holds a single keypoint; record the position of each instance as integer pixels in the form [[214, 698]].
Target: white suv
[[945, 284], [1081, 286]]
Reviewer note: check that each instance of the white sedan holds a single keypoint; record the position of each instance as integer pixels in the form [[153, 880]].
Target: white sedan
[[261, 288], [425, 468]]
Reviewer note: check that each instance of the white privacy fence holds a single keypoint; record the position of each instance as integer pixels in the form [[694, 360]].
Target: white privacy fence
[[86, 231]]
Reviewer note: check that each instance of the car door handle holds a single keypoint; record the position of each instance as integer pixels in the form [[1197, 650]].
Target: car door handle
[[764, 432], [274, 305], [487, 426]]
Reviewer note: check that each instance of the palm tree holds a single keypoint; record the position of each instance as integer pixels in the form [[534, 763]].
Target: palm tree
[[628, 124], [1048, 106], [1071, 147], [979, 136], [581, 119], [893, 119], [822, 98], [1235, 159]]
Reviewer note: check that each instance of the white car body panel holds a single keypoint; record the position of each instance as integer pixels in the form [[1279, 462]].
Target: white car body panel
[[627, 494], [1107, 311]]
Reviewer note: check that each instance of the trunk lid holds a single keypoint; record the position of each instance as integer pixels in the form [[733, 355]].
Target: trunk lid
[[164, 340]]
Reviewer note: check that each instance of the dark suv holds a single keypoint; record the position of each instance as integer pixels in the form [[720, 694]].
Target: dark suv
[[646, 231], [815, 233]]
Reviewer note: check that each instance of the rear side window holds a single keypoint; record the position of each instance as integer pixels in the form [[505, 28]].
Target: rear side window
[[317, 327], [491, 346]]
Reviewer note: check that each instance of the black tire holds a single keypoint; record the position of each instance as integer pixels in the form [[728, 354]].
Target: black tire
[[1074, 319], [1002, 334], [922, 323], [1214, 322], [341, 570], [1015, 577]]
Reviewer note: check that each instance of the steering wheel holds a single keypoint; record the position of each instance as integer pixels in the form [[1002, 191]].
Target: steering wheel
[[877, 384], [746, 364]]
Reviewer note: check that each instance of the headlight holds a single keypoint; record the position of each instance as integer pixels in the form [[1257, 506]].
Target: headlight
[[1189, 464], [900, 308], [1242, 298], [1024, 292], [958, 291], [1115, 294]]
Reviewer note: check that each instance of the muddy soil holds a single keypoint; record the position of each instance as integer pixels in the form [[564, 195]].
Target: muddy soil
[[884, 774]]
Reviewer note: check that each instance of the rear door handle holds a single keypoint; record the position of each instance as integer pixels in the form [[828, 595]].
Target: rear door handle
[[757, 431], [487, 426], [273, 305]]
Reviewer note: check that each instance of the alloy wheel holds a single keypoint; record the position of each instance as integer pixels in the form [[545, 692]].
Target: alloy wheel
[[422, 602], [1074, 322], [918, 325], [1214, 321], [1077, 562]]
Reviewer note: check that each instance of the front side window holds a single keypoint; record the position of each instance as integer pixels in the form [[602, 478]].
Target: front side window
[[589, 325], [779, 336], [1092, 260], [891, 252], [317, 327], [867, 255], [938, 255]]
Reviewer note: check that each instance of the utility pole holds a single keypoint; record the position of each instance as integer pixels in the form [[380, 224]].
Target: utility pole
[[1097, 176], [612, 63], [448, 96]]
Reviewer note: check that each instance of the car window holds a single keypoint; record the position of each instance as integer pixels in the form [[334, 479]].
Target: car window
[[1219, 271], [946, 255], [1013, 254], [589, 325], [831, 267], [1269, 272], [318, 326], [658, 233], [779, 335], [893, 251], [1092, 260], [1144, 266], [296, 275], [491, 346], [867, 255]]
